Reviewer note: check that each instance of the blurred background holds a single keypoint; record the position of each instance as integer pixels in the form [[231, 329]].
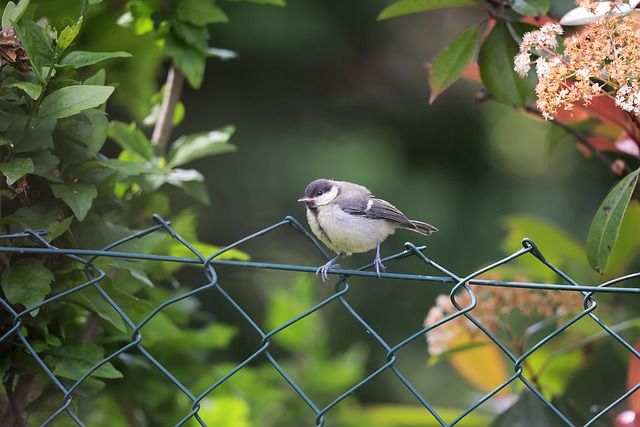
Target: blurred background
[[323, 89]]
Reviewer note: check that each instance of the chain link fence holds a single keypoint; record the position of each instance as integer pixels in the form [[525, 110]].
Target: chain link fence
[[319, 413]]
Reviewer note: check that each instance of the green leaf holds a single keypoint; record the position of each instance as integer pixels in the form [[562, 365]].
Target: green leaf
[[130, 138], [68, 35], [16, 169], [74, 360], [528, 410], [192, 147], [26, 282], [71, 100], [132, 168], [78, 196], [12, 12], [94, 301], [33, 90], [496, 67], [406, 7], [605, 226], [79, 59], [200, 12], [192, 182], [224, 411], [452, 61], [189, 60], [530, 7], [37, 44]]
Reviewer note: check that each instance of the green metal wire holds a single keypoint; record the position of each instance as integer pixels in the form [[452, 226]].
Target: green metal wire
[[210, 262]]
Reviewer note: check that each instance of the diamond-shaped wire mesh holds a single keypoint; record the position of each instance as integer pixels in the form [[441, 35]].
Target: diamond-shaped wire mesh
[[462, 295]]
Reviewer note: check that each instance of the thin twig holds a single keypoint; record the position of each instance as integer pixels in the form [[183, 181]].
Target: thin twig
[[164, 123], [582, 139]]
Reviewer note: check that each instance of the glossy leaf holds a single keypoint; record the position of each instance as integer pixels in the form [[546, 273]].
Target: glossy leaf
[[16, 169], [79, 59], [191, 182], [582, 16], [450, 63], [606, 223], [71, 100], [26, 282], [37, 45], [496, 67], [406, 7], [530, 7], [192, 147], [77, 195]]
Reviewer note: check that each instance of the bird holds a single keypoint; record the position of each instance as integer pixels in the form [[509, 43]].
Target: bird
[[349, 219]]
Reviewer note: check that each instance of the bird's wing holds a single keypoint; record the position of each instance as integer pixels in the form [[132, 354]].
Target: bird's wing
[[378, 209]]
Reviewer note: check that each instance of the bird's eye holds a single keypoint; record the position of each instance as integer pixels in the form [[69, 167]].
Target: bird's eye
[[319, 193]]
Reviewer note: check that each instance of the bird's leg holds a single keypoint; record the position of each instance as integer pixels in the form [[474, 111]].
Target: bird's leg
[[324, 270], [377, 262]]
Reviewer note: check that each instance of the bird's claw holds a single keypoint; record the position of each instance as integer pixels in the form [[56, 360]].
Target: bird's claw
[[323, 271], [378, 265]]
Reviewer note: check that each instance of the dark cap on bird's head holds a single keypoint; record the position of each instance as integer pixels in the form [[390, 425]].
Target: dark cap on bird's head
[[315, 189]]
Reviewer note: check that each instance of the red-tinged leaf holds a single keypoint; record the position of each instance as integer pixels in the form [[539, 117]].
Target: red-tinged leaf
[[633, 379], [452, 61], [605, 109], [574, 116], [472, 72]]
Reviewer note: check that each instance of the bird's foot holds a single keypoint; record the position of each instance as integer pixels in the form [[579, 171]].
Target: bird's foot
[[323, 271], [377, 262], [378, 265]]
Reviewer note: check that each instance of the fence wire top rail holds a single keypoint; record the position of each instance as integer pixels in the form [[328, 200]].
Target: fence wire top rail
[[318, 412]]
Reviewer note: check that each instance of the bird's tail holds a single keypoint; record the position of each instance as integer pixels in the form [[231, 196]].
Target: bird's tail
[[422, 227]]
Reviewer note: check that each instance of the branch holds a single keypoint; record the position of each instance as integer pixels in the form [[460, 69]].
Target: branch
[[164, 123]]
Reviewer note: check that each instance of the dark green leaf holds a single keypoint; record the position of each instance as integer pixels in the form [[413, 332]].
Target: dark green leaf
[[530, 7], [16, 169], [189, 60], [192, 147], [130, 138], [77, 195], [496, 67], [606, 223], [99, 78], [13, 12], [79, 59], [194, 36], [80, 138], [452, 61], [37, 44], [406, 7], [26, 282], [71, 100], [38, 136], [74, 360], [200, 12]]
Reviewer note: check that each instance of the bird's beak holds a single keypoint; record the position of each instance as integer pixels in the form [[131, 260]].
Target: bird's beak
[[306, 199]]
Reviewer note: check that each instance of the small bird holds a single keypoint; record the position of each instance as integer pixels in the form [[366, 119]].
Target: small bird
[[349, 219]]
